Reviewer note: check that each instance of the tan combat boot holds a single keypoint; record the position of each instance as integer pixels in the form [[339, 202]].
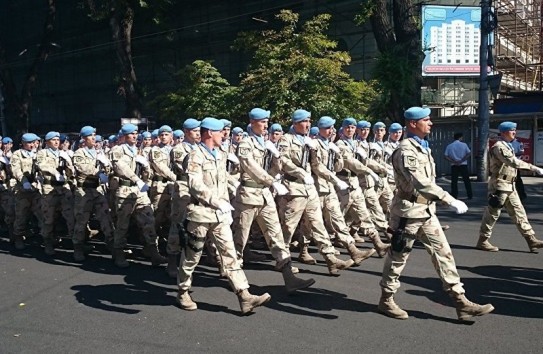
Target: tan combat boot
[[79, 254], [466, 309], [304, 256], [357, 255], [119, 258], [248, 301], [533, 243], [156, 257], [335, 265], [381, 247], [185, 301], [484, 245], [388, 307], [171, 269], [292, 283]]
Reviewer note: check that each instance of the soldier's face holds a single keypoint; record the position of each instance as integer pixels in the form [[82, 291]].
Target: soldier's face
[[275, 136], [28, 146], [90, 141], [349, 130], [509, 135], [131, 138], [379, 133], [165, 138], [363, 133], [302, 127], [395, 136], [226, 133], [259, 127], [53, 143], [216, 137], [193, 136], [326, 132], [421, 127], [237, 138]]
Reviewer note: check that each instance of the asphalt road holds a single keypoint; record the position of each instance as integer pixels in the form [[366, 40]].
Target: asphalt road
[[53, 305]]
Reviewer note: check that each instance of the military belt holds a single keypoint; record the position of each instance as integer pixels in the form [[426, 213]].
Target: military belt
[[160, 179], [344, 173], [53, 182], [508, 178], [126, 183], [182, 178], [252, 184], [292, 178], [419, 199], [89, 182]]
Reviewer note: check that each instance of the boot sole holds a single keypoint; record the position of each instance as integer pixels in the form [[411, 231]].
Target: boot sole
[[360, 260], [467, 317], [391, 316], [487, 250], [309, 283], [248, 311]]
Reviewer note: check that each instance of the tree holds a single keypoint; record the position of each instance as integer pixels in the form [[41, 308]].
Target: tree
[[398, 68], [121, 14], [201, 92], [18, 103], [299, 67]]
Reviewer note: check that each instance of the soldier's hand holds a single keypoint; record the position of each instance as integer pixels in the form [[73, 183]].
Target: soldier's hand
[[362, 153], [538, 170], [144, 187], [64, 155], [279, 188], [233, 158], [375, 177], [142, 160], [309, 142], [4, 160], [103, 159], [225, 207], [333, 147], [59, 177], [458, 206], [309, 180], [103, 178], [271, 148], [27, 186], [342, 185]]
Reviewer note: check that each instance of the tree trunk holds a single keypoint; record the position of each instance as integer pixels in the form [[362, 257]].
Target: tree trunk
[[121, 23], [381, 26]]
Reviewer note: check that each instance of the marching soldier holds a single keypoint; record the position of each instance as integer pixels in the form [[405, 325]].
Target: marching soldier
[[91, 175], [413, 218], [303, 199], [131, 198], [6, 186], [502, 191], [55, 167], [325, 161], [275, 133], [209, 215], [379, 155], [259, 162]]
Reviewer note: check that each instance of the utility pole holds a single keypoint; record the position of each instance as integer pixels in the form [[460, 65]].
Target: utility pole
[[483, 117]]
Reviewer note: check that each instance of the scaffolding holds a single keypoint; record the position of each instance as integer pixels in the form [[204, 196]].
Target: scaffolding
[[519, 46]]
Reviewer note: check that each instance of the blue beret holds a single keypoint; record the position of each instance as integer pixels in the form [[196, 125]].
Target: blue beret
[[99, 138], [212, 124], [259, 113], [178, 133], [52, 135], [363, 124], [416, 113], [395, 127], [165, 129], [86, 131], [7, 140], [154, 133], [190, 124], [128, 129], [245, 134], [146, 135], [507, 126], [226, 123], [29, 137], [112, 137], [300, 115], [63, 138], [314, 131], [276, 127], [379, 125], [326, 122], [237, 130], [348, 121]]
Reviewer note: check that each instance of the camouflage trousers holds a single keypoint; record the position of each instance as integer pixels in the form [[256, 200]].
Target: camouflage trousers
[[515, 209], [86, 202], [7, 203], [429, 232], [353, 206], [378, 216], [292, 208], [268, 220], [57, 199], [26, 202], [333, 218], [161, 200], [384, 193], [221, 236], [131, 203], [180, 201]]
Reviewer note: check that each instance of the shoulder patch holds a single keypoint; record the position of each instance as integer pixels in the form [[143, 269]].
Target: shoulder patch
[[117, 155], [177, 154], [79, 159], [156, 154], [244, 151], [411, 162]]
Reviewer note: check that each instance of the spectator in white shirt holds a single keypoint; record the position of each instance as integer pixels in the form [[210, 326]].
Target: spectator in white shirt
[[457, 154]]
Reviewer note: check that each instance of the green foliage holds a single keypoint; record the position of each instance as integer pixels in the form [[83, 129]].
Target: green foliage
[[299, 67], [366, 10], [201, 91]]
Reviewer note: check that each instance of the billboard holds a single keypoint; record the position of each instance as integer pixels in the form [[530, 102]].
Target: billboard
[[451, 38]]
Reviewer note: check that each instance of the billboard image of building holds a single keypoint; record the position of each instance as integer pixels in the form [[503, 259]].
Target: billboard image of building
[[451, 37]]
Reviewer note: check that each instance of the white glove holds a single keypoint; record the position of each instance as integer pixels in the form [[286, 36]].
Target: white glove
[[59, 177], [277, 177], [236, 184], [142, 160], [225, 207], [342, 185], [103, 178], [333, 147], [272, 148], [538, 170], [144, 187], [390, 172], [309, 142], [63, 154], [4, 160], [362, 153], [458, 206], [375, 177], [233, 158], [27, 186], [103, 159], [279, 188], [309, 179]]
